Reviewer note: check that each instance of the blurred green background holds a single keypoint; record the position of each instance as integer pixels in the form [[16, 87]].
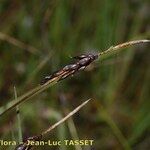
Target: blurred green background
[[38, 37]]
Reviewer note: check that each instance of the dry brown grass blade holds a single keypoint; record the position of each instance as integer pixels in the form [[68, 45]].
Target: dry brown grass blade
[[65, 118], [18, 43], [40, 136]]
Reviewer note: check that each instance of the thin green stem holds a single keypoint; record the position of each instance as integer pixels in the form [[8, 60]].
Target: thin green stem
[[18, 118]]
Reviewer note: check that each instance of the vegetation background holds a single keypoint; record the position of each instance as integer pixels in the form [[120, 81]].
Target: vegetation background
[[38, 37]]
